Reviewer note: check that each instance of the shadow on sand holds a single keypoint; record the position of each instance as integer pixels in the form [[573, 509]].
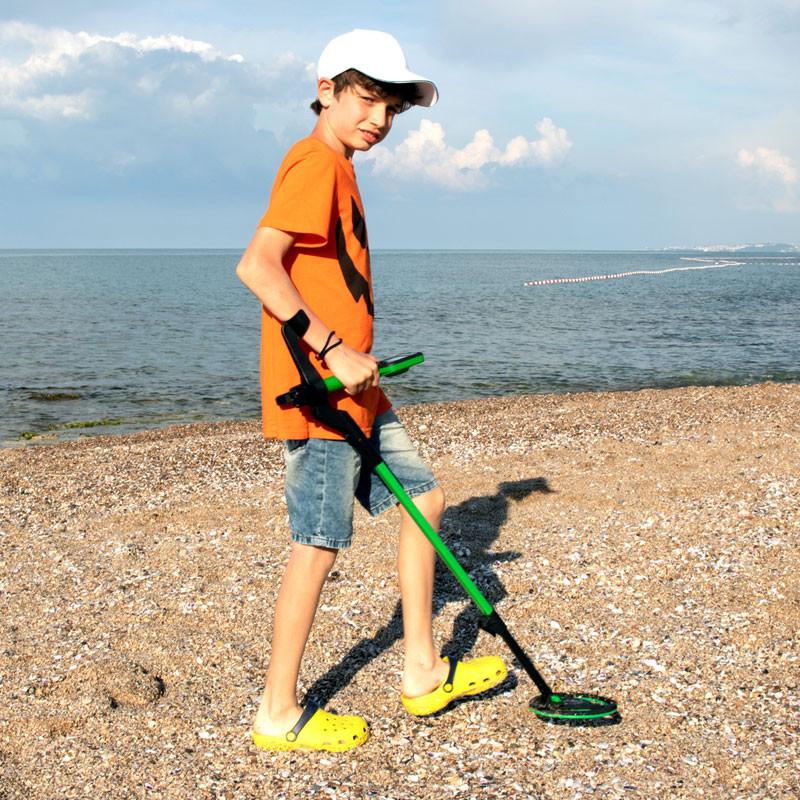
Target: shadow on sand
[[469, 530]]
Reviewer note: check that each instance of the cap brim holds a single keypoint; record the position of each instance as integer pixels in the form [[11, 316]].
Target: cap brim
[[428, 93]]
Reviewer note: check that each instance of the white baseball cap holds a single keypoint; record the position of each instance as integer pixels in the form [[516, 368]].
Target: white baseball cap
[[376, 54]]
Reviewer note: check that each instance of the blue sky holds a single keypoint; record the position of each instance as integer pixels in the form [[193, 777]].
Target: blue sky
[[562, 123]]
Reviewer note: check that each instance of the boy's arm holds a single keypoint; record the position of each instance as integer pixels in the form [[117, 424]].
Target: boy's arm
[[261, 270]]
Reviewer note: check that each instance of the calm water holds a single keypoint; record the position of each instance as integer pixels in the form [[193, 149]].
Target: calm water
[[147, 338]]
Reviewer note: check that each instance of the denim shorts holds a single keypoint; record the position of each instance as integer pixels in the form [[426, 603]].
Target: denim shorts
[[324, 475]]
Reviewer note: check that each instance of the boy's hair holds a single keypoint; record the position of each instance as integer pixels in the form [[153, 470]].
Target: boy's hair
[[352, 78]]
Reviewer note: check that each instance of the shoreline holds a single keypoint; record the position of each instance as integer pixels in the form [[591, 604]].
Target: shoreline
[[642, 545], [49, 438]]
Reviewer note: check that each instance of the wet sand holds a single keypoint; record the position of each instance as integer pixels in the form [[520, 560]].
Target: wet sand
[[641, 545]]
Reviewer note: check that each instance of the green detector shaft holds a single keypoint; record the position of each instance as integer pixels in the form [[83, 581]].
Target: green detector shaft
[[389, 366], [313, 392]]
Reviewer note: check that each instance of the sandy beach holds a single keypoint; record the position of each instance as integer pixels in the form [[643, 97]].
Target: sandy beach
[[641, 545]]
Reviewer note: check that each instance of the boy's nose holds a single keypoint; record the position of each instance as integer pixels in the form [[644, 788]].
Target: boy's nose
[[378, 116]]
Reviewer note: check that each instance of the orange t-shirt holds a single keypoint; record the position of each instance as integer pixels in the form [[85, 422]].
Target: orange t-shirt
[[315, 198]]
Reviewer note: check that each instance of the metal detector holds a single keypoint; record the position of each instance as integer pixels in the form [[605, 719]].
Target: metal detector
[[313, 392]]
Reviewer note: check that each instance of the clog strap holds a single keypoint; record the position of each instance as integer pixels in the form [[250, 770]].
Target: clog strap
[[309, 710], [447, 686]]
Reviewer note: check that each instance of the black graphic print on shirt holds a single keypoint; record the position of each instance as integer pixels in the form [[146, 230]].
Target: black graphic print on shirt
[[359, 226], [356, 282]]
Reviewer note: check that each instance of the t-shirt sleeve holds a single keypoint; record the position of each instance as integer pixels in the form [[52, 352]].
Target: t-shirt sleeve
[[303, 200]]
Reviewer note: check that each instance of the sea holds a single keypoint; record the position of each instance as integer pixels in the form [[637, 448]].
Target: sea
[[115, 341]]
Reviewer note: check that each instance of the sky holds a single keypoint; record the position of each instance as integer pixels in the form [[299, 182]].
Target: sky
[[562, 124]]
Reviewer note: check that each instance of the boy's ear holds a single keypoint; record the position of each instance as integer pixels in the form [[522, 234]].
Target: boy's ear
[[325, 92]]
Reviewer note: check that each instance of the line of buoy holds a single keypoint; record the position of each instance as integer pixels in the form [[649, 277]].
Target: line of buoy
[[637, 272]]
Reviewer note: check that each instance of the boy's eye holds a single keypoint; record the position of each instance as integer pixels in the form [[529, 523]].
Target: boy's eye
[[369, 100]]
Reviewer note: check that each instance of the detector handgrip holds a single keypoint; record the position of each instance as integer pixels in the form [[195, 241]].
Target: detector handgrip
[[312, 389], [396, 365]]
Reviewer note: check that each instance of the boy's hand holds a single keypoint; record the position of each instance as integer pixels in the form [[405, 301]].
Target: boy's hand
[[356, 370]]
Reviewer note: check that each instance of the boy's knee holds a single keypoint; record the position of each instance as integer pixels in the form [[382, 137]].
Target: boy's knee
[[431, 503], [314, 557]]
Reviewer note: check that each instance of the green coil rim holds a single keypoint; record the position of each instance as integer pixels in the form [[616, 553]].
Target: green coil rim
[[557, 706]]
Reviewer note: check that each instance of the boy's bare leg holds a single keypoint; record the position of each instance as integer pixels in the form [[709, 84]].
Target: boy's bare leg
[[295, 608], [423, 670]]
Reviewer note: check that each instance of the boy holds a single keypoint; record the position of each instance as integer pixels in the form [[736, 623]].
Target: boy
[[310, 252]]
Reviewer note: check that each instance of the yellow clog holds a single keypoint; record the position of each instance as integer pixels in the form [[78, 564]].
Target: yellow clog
[[317, 730], [464, 678]]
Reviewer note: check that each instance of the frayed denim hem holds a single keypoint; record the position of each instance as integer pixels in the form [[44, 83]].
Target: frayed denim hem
[[389, 502]]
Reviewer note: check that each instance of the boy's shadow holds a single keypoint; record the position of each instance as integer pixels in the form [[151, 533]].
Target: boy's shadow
[[468, 530]]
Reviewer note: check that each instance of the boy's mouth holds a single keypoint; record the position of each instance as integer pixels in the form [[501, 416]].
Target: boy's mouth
[[370, 136]]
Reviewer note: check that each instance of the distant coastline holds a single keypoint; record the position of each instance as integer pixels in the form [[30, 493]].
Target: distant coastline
[[743, 249]]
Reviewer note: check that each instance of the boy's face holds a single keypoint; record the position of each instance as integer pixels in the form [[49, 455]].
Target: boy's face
[[356, 119]]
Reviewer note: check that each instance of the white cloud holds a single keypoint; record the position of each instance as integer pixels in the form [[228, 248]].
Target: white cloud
[[776, 176], [168, 109], [425, 154], [54, 54], [769, 163], [51, 61]]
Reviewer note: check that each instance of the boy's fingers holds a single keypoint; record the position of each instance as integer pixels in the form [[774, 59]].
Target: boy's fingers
[[376, 375], [360, 387], [366, 383], [356, 370]]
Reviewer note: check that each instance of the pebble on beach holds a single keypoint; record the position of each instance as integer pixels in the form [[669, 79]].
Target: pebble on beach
[[640, 545]]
